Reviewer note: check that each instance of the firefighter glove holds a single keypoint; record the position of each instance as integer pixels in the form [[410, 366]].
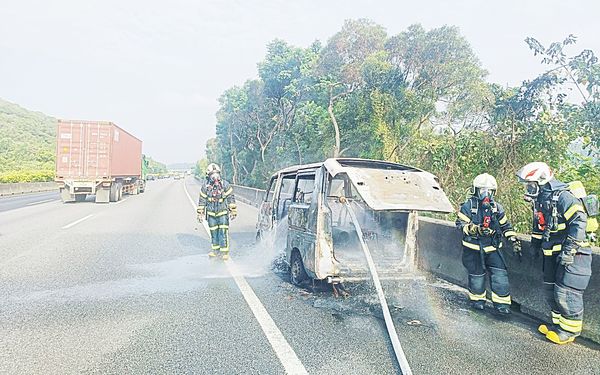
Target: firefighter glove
[[232, 212], [516, 245], [486, 232], [472, 229], [569, 249], [200, 214], [567, 258]]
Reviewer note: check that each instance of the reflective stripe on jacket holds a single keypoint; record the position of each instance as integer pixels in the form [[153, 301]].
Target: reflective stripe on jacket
[[217, 199], [472, 211]]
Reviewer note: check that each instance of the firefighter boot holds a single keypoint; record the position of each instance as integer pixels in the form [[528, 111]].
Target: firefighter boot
[[502, 310], [545, 328], [477, 291], [212, 254], [225, 255], [500, 290], [560, 337], [477, 305]]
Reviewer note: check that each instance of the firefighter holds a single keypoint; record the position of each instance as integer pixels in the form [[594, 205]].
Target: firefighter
[[217, 205], [483, 223], [559, 230]]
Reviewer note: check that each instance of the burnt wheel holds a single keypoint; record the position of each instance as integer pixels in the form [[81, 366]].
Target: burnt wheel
[[297, 271]]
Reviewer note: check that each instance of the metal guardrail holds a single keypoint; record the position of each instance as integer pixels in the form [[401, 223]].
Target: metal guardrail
[[26, 187]]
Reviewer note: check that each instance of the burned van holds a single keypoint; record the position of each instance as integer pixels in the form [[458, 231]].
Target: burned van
[[324, 213]]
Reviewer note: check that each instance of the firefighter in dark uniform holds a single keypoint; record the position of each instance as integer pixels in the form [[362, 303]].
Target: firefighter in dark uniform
[[217, 205], [560, 222], [483, 223]]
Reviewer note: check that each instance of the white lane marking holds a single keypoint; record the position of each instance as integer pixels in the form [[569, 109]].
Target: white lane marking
[[282, 348], [284, 351], [77, 221], [40, 202], [121, 201]]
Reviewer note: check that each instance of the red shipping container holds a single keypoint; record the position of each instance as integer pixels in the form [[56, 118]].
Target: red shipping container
[[96, 150]]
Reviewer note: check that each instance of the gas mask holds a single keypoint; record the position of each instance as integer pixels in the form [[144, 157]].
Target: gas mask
[[214, 177], [532, 190], [486, 202], [484, 194]]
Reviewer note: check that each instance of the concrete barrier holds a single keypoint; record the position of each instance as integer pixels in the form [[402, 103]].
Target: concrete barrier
[[248, 195], [439, 251], [26, 187]]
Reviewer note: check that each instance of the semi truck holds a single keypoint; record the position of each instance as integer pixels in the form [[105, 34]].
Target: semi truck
[[98, 158]]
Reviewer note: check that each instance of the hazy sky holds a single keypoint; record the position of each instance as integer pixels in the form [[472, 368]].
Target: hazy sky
[[158, 68]]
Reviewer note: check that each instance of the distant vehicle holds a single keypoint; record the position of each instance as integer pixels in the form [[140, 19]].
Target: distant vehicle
[[98, 158], [309, 205], [179, 176]]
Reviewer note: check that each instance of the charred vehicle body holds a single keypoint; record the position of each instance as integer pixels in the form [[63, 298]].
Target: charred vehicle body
[[310, 209]]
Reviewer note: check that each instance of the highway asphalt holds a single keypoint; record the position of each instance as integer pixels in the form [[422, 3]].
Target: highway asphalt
[[127, 287], [12, 202]]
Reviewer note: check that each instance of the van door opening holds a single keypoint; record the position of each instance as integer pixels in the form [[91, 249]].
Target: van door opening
[[384, 232]]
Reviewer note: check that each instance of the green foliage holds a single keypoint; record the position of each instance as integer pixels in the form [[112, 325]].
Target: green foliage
[[27, 139], [27, 176], [155, 167], [200, 167], [419, 98]]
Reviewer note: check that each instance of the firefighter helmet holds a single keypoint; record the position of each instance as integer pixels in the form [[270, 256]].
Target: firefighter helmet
[[484, 185], [534, 175], [212, 168]]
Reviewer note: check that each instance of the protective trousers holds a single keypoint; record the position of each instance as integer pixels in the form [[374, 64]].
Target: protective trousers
[[569, 283], [478, 264], [219, 232]]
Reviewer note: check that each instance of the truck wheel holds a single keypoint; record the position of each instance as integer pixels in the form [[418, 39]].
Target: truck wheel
[[297, 271], [80, 197]]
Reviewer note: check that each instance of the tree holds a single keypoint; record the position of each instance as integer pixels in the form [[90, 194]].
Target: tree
[[581, 71], [443, 80], [341, 61]]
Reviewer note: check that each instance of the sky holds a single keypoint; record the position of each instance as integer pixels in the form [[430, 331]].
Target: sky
[[157, 68]]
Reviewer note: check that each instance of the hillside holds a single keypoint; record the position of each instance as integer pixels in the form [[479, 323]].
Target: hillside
[[27, 139], [156, 167]]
